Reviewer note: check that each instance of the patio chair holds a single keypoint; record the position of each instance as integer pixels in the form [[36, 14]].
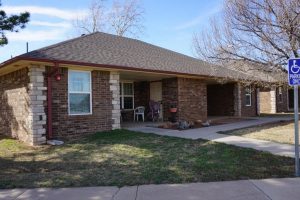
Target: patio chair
[[139, 111], [154, 110]]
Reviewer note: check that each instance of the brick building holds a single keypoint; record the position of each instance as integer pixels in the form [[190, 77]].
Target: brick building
[[276, 100], [82, 86]]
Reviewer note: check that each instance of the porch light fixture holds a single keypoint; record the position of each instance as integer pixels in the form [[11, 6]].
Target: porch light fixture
[[58, 77]]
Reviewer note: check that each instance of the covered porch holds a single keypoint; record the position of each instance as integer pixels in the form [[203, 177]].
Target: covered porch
[[223, 100], [137, 89], [193, 98]]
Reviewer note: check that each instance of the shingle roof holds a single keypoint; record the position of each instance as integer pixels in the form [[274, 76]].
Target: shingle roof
[[267, 74], [107, 49]]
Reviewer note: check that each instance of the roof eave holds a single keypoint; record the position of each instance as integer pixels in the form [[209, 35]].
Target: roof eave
[[113, 67]]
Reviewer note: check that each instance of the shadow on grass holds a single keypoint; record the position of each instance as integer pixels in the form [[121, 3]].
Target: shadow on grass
[[124, 157]]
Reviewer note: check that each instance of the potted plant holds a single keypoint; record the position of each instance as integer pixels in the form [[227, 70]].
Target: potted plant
[[173, 108], [173, 111]]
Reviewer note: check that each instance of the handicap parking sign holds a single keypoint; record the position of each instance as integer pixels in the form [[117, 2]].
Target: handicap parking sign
[[294, 71]]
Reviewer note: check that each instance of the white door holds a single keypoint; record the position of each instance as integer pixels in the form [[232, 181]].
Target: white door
[[156, 94]]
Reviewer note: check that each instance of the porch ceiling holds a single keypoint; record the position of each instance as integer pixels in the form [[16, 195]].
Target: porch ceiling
[[141, 76]]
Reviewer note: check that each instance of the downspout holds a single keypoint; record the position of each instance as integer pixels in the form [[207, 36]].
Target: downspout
[[49, 100]]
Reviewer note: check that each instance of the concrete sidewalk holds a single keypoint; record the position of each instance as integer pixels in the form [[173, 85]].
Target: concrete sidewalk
[[211, 133], [275, 189]]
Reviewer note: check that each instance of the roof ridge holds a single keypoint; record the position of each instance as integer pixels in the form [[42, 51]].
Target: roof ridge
[[162, 48], [58, 44], [117, 36], [152, 45]]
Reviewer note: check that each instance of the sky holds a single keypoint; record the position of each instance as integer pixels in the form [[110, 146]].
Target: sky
[[168, 23]]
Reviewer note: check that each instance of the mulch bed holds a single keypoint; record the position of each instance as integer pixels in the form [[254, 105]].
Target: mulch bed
[[214, 122]]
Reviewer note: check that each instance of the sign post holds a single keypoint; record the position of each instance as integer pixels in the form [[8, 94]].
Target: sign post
[[294, 80]]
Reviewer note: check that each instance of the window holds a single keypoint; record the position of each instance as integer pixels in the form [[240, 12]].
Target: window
[[126, 95], [248, 95], [79, 88], [280, 94]]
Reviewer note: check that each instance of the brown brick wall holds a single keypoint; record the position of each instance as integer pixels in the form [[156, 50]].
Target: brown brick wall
[[65, 125], [169, 96], [249, 110], [282, 106], [189, 95], [192, 99], [14, 105], [220, 100], [265, 100]]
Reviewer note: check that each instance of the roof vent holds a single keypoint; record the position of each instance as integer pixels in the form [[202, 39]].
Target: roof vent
[[82, 34]]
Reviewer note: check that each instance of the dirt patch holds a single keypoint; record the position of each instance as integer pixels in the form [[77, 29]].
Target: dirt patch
[[281, 132]]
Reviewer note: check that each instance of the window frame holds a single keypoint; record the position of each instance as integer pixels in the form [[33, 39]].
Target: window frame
[[71, 92], [122, 95], [248, 94]]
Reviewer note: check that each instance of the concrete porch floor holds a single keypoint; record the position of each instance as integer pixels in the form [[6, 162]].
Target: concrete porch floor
[[139, 124]]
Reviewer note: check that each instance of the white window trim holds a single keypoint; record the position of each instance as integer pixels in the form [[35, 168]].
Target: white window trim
[[91, 92], [122, 95], [248, 94]]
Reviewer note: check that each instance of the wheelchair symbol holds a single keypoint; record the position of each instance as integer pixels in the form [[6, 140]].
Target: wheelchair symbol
[[295, 68]]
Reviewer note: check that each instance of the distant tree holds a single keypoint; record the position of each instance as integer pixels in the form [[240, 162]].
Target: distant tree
[[11, 23], [94, 20], [126, 19], [120, 19], [264, 33]]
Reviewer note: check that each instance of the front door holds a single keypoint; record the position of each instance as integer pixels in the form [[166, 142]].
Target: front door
[[156, 94]]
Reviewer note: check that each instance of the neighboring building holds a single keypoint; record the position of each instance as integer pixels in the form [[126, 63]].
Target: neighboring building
[[84, 85], [276, 99], [273, 94]]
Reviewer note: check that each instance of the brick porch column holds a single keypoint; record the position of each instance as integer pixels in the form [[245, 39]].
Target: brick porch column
[[114, 82], [273, 99], [237, 100], [37, 100]]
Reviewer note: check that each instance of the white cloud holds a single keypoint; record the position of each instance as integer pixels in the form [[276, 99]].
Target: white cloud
[[48, 11], [40, 35], [46, 29], [199, 19], [64, 24]]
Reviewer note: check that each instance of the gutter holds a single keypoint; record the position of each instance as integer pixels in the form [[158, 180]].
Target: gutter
[[18, 58], [111, 67]]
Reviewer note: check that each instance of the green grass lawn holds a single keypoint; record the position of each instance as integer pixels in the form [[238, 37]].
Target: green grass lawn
[[281, 132], [129, 158]]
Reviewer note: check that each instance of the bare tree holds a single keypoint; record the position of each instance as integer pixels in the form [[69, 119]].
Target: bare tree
[[260, 33], [126, 19], [92, 22], [120, 19]]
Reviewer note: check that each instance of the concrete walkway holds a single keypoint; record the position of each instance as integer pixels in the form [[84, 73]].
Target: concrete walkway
[[211, 133], [275, 189]]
